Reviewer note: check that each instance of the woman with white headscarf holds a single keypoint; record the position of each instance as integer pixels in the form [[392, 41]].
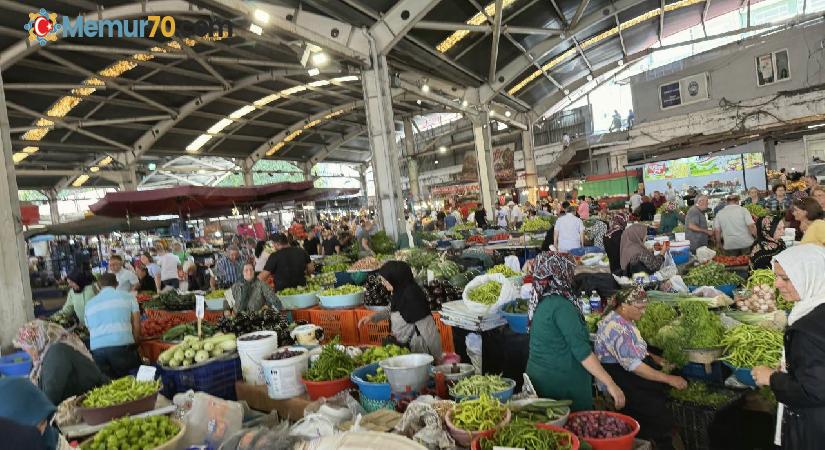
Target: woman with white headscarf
[[800, 385]]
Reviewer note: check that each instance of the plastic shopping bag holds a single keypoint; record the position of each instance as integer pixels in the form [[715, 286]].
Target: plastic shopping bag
[[704, 254], [513, 263], [508, 293]]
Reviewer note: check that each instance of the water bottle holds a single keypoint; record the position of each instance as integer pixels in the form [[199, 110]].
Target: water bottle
[[595, 302], [585, 303]]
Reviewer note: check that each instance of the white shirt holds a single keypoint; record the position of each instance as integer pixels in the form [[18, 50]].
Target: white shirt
[[260, 261], [635, 201], [515, 214], [457, 215], [168, 266], [502, 217], [570, 229], [734, 222], [126, 279]]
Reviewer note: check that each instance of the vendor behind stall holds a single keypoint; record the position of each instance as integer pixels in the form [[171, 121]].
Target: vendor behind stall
[[623, 353], [289, 266], [561, 362], [769, 243], [81, 290], [411, 320], [252, 294], [670, 218], [61, 364], [634, 256], [146, 282], [613, 241]]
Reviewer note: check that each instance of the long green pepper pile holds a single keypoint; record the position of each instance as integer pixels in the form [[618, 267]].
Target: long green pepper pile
[[481, 414], [521, 433], [751, 345], [476, 385], [332, 364], [120, 391]]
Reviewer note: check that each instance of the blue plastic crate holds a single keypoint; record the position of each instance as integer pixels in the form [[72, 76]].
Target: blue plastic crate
[[581, 251], [695, 371], [215, 378], [10, 368]]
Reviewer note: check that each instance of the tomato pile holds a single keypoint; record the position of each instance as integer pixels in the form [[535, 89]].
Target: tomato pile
[[476, 239], [500, 237], [157, 326], [144, 297], [743, 260]]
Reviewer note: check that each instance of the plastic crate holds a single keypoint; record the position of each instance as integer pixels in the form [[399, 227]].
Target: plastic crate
[[446, 332], [694, 422], [216, 378], [302, 314], [189, 315], [717, 375], [337, 322], [371, 333], [151, 349]]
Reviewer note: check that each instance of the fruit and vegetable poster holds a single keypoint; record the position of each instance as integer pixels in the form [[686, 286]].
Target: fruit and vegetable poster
[[706, 172], [503, 164]]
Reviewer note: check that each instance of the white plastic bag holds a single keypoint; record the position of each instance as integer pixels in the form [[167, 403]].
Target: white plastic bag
[[508, 293], [473, 344], [677, 284], [704, 254], [513, 263], [668, 269]]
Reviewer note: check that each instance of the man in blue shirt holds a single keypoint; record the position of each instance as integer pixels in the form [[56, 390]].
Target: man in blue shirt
[[113, 319]]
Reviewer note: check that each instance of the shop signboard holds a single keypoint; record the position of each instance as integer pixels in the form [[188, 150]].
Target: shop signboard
[[503, 164], [706, 171]]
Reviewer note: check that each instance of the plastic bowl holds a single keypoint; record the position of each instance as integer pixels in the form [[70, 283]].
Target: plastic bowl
[[318, 389], [575, 444], [373, 391], [408, 373], [617, 443], [17, 364], [502, 395], [96, 416], [214, 304], [299, 301], [342, 301], [464, 437], [518, 321], [464, 371]]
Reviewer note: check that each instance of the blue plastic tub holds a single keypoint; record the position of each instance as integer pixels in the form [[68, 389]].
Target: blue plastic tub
[[581, 251], [216, 378], [503, 396], [21, 368], [342, 301], [372, 391], [517, 321], [717, 374], [680, 255]]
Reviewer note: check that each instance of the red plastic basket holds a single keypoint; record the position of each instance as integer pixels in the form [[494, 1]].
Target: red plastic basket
[[189, 315], [618, 443], [302, 314], [318, 389], [337, 322], [151, 349], [371, 333], [446, 332]]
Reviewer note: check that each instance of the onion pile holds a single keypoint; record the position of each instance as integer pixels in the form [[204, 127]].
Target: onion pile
[[761, 300]]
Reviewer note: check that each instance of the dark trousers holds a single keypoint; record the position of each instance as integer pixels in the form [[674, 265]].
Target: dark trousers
[[117, 362], [174, 282]]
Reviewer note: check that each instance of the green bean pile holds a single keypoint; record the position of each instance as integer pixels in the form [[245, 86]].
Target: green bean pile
[[479, 384], [751, 345], [521, 433], [481, 414], [137, 433], [120, 391], [332, 364]]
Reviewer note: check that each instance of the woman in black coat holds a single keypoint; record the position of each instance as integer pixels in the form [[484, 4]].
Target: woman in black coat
[[799, 385], [613, 241]]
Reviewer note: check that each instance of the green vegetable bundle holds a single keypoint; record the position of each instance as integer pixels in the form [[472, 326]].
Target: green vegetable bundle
[[308, 289], [537, 224], [332, 364], [483, 413], [336, 259], [523, 433], [122, 390], [134, 433], [476, 385], [214, 295], [695, 328], [418, 258], [757, 210], [519, 306], [700, 394], [486, 294], [712, 274], [542, 410], [177, 332], [750, 346], [657, 315], [504, 270], [375, 354], [331, 268], [172, 301], [382, 244], [341, 290]]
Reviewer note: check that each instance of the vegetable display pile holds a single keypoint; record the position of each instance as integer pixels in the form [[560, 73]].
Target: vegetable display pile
[[172, 301], [366, 264], [376, 294], [592, 322], [416, 257], [757, 210], [743, 260], [70, 323], [308, 289], [712, 274], [336, 259], [323, 279], [382, 244], [476, 239], [483, 413], [214, 295], [332, 364], [440, 292], [520, 306], [536, 224], [504, 270], [144, 296], [758, 299], [332, 268], [134, 433], [486, 294], [597, 425], [766, 277], [266, 319], [122, 390], [284, 354], [476, 385], [542, 410], [522, 433], [195, 351], [499, 237], [177, 332], [695, 328], [378, 377], [375, 354], [444, 270], [657, 315], [346, 289], [700, 394], [750, 346]]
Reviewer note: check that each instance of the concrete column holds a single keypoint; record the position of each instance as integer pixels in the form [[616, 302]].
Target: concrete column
[[306, 167], [484, 156], [412, 163], [531, 178], [365, 196], [770, 154], [16, 307], [130, 178], [385, 155], [54, 212], [248, 176]]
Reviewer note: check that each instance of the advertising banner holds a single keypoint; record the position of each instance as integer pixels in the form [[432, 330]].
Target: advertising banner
[[706, 172]]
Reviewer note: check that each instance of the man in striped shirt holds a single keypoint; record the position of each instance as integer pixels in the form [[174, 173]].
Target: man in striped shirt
[[113, 319]]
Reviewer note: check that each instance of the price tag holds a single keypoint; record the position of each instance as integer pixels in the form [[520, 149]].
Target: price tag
[[199, 304], [146, 373]]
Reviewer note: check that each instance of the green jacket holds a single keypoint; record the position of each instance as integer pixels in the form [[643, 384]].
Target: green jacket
[[76, 302], [252, 296], [66, 372]]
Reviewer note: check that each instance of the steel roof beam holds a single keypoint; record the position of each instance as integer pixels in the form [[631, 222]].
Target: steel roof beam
[[661, 21], [705, 13], [621, 38], [82, 123], [496, 39], [560, 13], [398, 21], [581, 52], [134, 87], [330, 148], [79, 148], [579, 11], [202, 62]]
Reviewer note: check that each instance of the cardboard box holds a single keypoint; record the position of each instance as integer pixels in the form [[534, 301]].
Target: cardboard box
[[258, 399]]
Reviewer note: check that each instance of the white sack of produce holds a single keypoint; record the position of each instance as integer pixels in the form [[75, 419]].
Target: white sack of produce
[[507, 293], [704, 254]]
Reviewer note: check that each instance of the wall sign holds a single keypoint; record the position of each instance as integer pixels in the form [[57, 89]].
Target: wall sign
[[772, 68], [687, 90]]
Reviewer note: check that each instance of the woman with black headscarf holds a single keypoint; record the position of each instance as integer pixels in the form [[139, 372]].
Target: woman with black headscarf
[[769, 243], [613, 241], [81, 290], [411, 320]]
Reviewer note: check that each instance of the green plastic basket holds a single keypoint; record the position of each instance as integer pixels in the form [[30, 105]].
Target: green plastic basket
[[371, 405]]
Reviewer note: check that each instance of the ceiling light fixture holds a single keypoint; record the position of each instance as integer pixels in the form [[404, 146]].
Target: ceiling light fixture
[[105, 161], [320, 59], [20, 156], [30, 150], [94, 169], [465, 103], [589, 77], [80, 181], [261, 16], [442, 149], [418, 101], [152, 166], [507, 114], [620, 63], [425, 88], [255, 28], [314, 72], [436, 162]]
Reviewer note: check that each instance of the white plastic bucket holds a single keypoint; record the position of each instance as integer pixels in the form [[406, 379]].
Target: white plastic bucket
[[253, 352], [283, 376], [407, 372]]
